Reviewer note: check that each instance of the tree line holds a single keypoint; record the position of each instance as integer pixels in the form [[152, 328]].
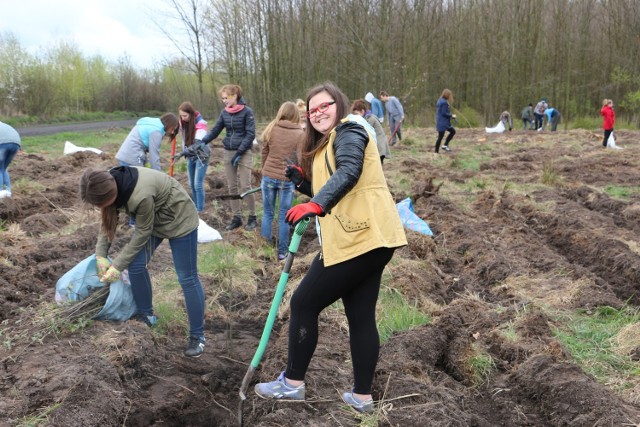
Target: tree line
[[494, 55]]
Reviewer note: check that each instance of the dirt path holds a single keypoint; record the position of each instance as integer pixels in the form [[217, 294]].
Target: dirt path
[[76, 127], [501, 268]]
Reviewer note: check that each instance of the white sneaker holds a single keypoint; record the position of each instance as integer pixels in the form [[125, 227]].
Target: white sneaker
[[4, 193], [446, 148]]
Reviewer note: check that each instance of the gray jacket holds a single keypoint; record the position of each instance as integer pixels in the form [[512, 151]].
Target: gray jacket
[[8, 135], [146, 136]]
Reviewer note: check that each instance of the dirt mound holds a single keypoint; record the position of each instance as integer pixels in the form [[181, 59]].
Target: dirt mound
[[500, 264]]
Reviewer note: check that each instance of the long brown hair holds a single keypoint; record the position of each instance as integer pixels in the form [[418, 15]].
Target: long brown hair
[[448, 95], [188, 127], [314, 140], [97, 187], [287, 111], [169, 120]]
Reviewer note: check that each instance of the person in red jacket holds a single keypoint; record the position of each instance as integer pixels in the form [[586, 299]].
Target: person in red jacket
[[609, 119]]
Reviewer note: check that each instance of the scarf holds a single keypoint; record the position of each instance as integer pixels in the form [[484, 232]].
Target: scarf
[[126, 180], [235, 109]]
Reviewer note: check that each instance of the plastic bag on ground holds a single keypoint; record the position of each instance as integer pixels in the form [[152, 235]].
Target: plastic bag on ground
[[410, 220], [499, 128], [70, 148], [611, 142], [207, 234], [77, 283]]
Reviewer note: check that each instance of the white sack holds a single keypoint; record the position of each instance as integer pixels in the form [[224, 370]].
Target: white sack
[[70, 148], [499, 128], [207, 234]]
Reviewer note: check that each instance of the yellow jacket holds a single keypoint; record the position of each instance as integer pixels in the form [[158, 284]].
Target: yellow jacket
[[366, 218]]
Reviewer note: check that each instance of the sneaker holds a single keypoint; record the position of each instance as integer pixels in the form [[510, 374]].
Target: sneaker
[[3, 194], [357, 404], [279, 389], [252, 223], [446, 148], [195, 348], [235, 223], [148, 320], [282, 257]]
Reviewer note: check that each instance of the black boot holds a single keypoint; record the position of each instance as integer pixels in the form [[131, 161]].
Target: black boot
[[235, 223], [252, 223]]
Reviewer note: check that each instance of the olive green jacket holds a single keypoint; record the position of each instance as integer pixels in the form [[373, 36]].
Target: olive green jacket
[[161, 207]]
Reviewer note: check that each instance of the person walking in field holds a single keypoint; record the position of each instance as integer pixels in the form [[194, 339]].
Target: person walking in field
[[609, 120], [360, 229], [395, 115], [9, 147], [163, 210], [281, 142], [443, 120], [240, 124], [193, 128]]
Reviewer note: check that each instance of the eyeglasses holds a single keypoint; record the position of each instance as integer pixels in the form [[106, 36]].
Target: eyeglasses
[[320, 108]]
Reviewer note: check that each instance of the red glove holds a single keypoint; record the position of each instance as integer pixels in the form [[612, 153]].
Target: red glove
[[302, 211]]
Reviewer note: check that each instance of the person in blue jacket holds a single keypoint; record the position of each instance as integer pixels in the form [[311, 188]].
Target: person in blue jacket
[[240, 125], [443, 120], [553, 118], [9, 147], [376, 106], [142, 145]]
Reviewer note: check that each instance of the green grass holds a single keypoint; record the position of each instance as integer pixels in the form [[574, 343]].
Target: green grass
[[54, 144], [397, 314], [41, 418], [621, 192], [481, 364], [26, 186], [550, 175], [589, 339]]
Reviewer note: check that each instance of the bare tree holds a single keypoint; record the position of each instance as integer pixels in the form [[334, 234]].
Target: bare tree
[[190, 14]]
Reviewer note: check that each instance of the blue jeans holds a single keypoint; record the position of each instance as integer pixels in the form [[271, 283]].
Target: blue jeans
[[273, 189], [7, 153], [185, 261], [197, 169]]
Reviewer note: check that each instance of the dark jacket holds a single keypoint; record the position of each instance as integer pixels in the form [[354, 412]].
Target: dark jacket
[[349, 146], [240, 127], [443, 115]]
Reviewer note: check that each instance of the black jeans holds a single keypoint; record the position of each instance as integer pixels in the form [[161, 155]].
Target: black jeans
[[357, 283], [451, 131], [607, 133]]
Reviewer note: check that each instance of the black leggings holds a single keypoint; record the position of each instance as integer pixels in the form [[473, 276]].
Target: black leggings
[[451, 131], [607, 133], [357, 282]]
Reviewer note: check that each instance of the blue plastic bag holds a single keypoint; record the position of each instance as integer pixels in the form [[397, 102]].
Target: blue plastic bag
[[76, 284], [410, 220]]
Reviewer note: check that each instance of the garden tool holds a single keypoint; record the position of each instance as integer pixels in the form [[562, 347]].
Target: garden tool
[[266, 332], [237, 196]]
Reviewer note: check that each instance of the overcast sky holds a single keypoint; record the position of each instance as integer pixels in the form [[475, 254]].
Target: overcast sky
[[111, 28]]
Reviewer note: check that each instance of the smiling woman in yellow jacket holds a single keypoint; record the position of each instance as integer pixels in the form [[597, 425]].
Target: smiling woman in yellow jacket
[[359, 229]]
